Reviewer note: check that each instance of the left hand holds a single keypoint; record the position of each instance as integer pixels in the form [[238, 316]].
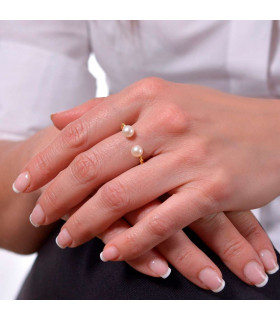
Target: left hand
[[210, 151]]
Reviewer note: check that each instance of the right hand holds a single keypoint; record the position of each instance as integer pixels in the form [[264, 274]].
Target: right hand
[[244, 241], [237, 238]]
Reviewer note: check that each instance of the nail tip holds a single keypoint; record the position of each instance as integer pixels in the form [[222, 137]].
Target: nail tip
[[221, 287], [272, 271], [15, 189], [56, 241], [167, 274], [262, 284], [33, 223], [101, 257]]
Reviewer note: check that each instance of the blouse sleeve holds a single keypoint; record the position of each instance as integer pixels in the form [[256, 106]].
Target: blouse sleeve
[[43, 70]]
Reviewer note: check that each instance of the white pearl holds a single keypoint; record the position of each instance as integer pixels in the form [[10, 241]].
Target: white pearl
[[128, 131], [136, 151]]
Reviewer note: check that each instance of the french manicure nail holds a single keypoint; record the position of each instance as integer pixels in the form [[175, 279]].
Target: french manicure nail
[[37, 216], [211, 279], [270, 264], [255, 274], [110, 253], [21, 182], [64, 239], [160, 268]]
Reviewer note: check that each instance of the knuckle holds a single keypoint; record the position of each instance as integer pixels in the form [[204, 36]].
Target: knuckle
[[42, 163], [210, 221], [75, 135], [85, 167], [185, 257], [173, 119], [232, 249], [160, 226], [114, 195], [150, 87], [221, 189], [253, 231]]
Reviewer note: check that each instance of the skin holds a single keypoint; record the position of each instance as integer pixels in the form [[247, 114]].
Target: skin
[[18, 235], [203, 148]]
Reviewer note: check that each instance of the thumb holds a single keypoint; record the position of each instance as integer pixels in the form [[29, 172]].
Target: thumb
[[61, 119]]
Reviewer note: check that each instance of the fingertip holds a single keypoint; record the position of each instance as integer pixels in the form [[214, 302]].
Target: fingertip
[[211, 279], [221, 288], [269, 261], [160, 267], [274, 270], [55, 121], [262, 284], [15, 189], [101, 257], [167, 274], [22, 182]]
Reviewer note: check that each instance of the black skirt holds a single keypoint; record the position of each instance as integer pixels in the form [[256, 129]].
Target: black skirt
[[80, 274]]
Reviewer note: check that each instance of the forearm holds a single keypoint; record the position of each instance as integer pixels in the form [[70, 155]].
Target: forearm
[[16, 232]]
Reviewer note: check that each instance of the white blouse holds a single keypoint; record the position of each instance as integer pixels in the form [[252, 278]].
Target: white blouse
[[44, 66]]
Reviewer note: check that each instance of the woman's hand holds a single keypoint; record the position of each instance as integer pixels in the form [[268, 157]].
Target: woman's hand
[[210, 151], [240, 239], [237, 238]]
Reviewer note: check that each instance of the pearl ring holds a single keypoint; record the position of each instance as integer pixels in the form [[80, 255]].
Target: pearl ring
[[137, 150]]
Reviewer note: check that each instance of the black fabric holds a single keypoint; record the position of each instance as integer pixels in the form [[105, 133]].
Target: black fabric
[[80, 274]]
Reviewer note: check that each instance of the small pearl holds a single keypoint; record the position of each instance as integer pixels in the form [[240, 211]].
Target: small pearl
[[136, 151], [128, 131]]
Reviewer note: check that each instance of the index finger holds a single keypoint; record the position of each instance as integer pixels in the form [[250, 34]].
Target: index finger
[[97, 124]]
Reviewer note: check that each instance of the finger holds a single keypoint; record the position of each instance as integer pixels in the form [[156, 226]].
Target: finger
[[176, 212], [119, 196], [223, 238], [61, 119], [151, 263], [180, 251], [87, 172], [97, 124], [249, 227]]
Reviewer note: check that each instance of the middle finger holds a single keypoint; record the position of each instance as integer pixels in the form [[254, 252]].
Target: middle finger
[[119, 196], [88, 171]]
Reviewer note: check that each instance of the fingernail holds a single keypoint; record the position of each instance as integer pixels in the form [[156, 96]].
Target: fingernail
[[255, 274], [21, 182], [211, 279], [160, 268], [64, 239], [37, 216], [66, 217], [110, 253], [270, 264]]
